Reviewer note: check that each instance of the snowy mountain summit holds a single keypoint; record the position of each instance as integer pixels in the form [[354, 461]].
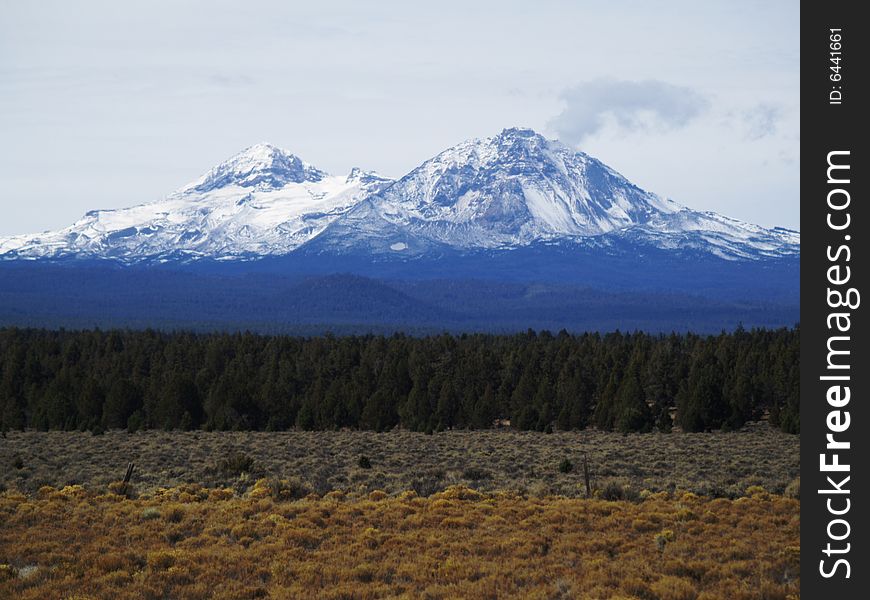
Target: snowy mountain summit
[[262, 201], [515, 189], [260, 167], [518, 185]]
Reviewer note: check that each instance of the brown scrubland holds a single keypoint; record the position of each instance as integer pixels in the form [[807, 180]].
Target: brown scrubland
[[716, 464], [493, 514], [190, 542]]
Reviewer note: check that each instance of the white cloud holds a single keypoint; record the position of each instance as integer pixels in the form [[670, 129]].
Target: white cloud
[[761, 120], [631, 105]]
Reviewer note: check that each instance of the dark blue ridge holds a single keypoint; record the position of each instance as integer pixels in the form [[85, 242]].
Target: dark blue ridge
[[294, 296]]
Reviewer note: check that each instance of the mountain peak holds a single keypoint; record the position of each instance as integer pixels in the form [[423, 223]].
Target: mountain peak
[[264, 151], [366, 177], [522, 132], [261, 166], [510, 190], [527, 144], [513, 148]]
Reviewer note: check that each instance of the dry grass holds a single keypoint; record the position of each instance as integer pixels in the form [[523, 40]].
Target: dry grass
[[711, 464], [194, 543], [495, 514]]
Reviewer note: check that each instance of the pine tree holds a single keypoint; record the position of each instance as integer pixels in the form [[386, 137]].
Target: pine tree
[[122, 400], [485, 410], [631, 411]]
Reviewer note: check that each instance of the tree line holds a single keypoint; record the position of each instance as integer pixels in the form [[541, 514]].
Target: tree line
[[57, 379]]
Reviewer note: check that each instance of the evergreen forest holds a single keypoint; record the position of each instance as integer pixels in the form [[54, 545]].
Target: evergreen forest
[[629, 382]]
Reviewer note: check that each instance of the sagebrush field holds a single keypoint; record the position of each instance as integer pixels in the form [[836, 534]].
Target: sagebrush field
[[713, 464], [485, 514], [193, 543]]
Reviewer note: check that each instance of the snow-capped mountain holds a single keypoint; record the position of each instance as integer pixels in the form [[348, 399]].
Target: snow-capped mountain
[[518, 188], [513, 190], [261, 201], [499, 234]]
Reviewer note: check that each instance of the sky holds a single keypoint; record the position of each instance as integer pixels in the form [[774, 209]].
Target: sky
[[107, 104]]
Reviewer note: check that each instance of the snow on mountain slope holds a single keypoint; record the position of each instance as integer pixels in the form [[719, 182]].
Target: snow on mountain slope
[[712, 233], [261, 201], [515, 189], [518, 188]]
